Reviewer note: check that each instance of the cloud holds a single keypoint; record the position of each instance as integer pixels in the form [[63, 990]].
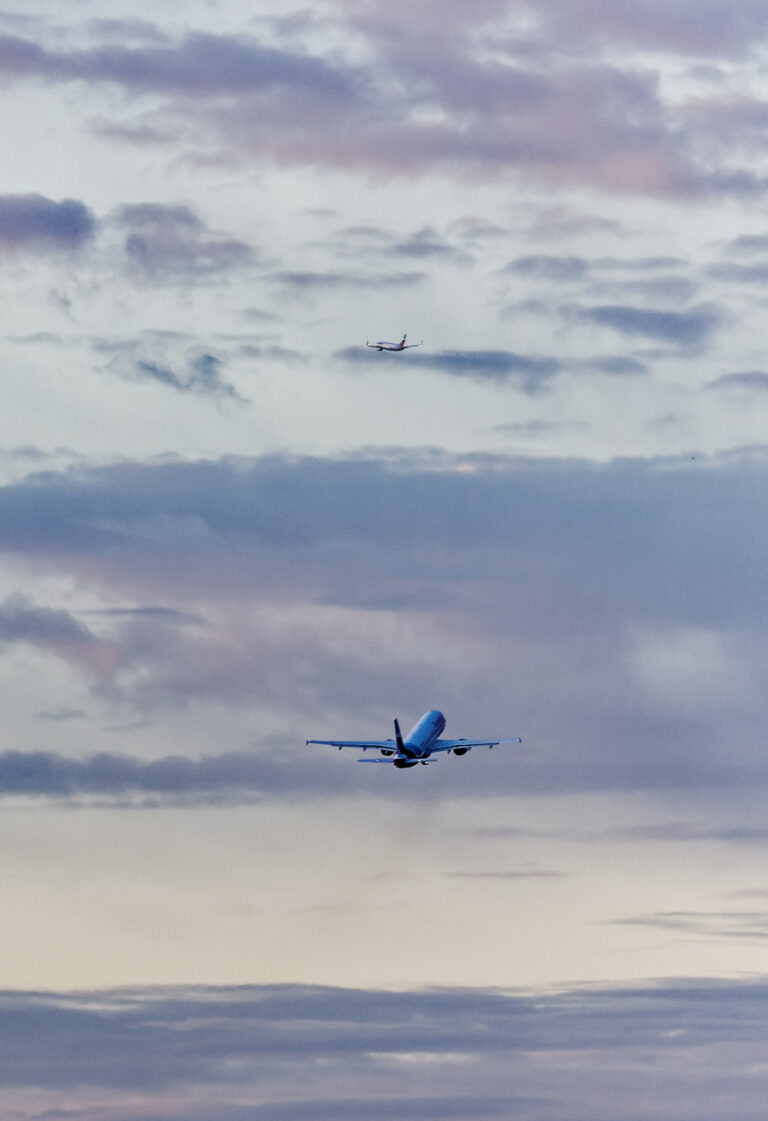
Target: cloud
[[52, 775], [720, 925], [527, 373], [677, 832], [428, 243], [699, 28], [305, 282], [167, 242], [749, 243], [618, 365], [154, 357], [545, 569], [528, 874], [560, 270], [199, 65], [533, 104], [142, 513], [686, 329], [750, 379], [203, 376], [62, 714], [53, 631], [37, 224], [297, 1052]]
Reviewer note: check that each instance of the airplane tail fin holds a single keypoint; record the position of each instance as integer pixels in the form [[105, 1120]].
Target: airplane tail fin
[[398, 737]]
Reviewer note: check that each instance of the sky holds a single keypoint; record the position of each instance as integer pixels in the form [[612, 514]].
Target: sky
[[227, 526]]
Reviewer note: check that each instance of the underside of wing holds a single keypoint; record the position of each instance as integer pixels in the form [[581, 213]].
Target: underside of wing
[[450, 745], [401, 759], [386, 745]]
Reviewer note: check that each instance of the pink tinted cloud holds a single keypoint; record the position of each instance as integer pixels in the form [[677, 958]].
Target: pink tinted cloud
[[708, 28], [444, 87]]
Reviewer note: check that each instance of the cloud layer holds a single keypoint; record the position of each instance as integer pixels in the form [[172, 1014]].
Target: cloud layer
[[299, 1052], [535, 90]]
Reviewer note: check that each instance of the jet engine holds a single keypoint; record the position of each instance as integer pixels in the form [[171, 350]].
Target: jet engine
[[460, 750]]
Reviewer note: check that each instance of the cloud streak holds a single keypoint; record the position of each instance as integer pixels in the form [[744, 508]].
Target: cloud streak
[[686, 329]]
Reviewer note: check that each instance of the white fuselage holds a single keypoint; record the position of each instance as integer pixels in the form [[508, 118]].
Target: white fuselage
[[419, 741]]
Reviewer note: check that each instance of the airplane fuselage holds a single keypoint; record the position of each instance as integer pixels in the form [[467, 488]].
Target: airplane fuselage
[[380, 345], [417, 745]]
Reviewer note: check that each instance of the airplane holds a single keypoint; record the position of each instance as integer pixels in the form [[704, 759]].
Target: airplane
[[419, 745], [392, 346]]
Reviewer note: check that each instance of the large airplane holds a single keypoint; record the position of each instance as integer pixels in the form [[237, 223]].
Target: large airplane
[[392, 346], [422, 742]]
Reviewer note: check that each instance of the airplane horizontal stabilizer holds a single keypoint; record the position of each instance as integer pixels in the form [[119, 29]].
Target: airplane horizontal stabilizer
[[405, 759]]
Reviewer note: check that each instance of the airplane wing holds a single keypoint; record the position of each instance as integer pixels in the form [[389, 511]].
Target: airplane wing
[[449, 745], [387, 745]]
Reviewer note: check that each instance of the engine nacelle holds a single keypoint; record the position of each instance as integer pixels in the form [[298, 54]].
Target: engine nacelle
[[387, 751], [460, 750]]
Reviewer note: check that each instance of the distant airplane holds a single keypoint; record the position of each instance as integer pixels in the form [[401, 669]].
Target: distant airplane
[[422, 741], [392, 346]]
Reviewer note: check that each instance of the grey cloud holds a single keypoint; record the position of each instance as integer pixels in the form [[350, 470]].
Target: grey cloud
[[720, 925], [528, 373], [54, 631], [283, 354], [535, 428], [660, 289], [563, 118], [157, 358], [427, 243], [665, 831], [688, 328], [138, 30], [203, 376], [740, 274], [642, 577], [640, 264], [749, 243], [549, 268], [23, 621], [49, 774], [528, 874], [297, 1052], [283, 507], [313, 282], [369, 242], [618, 365], [749, 379], [166, 242], [162, 614], [700, 28], [62, 714], [200, 65], [33, 222]]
